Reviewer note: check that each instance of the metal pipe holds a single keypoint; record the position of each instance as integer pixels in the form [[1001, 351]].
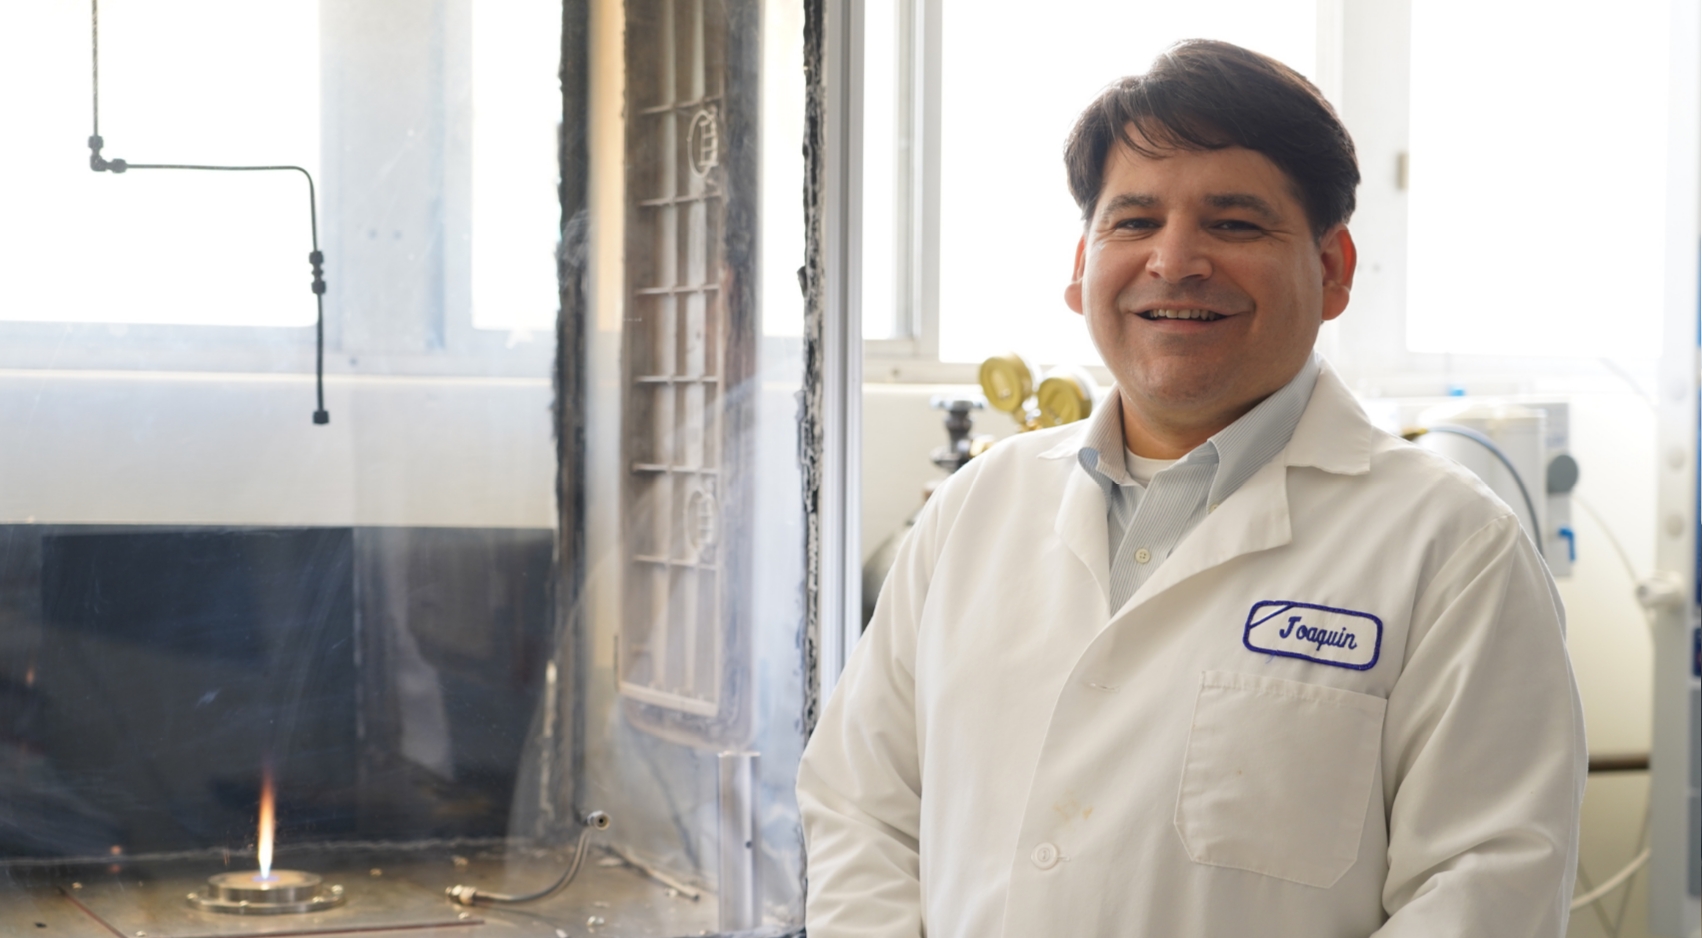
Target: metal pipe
[[1619, 762], [740, 897]]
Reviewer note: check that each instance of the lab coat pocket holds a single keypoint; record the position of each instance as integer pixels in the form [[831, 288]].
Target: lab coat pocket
[[1277, 777]]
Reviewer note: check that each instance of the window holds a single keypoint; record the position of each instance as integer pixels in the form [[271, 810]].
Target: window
[[438, 211], [1010, 85], [504, 587], [181, 81], [515, 213], [968, 230], [1544, 130], [891, 118]]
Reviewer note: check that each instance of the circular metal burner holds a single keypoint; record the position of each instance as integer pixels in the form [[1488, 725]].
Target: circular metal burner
[[283, 892]]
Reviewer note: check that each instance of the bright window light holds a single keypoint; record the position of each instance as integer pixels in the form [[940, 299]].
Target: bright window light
[[883, 151], [199, 81], [516, 209], [1014, 80], [1538, 171], [783, 97]]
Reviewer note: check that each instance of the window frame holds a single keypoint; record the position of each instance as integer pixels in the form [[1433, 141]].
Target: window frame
[[1363, 67], [439, 340], [915, 327]]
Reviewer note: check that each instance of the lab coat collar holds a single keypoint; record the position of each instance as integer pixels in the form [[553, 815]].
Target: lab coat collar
[[1082, 524], [1333, 435], [1252, 519]]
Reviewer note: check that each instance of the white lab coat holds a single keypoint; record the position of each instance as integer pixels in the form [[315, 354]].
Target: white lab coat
[[1003, 756]]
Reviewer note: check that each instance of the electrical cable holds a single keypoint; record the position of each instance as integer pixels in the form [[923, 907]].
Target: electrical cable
[[1630, 381], [1607, 531], [1625, 898], [1618, 879], [1489, 444], [1594, 894], [468, 895], [1612, 882], [100, 164]]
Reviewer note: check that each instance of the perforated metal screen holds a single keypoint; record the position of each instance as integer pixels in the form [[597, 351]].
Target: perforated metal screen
[[688, 337]]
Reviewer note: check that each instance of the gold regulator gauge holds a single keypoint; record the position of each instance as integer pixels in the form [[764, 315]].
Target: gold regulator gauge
[[1007, 380], [1066, 396]]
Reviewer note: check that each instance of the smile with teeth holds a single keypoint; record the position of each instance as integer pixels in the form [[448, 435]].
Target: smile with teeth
[[1202, 315]]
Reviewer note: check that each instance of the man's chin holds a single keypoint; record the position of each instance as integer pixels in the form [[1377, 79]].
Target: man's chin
[[1170, 387]]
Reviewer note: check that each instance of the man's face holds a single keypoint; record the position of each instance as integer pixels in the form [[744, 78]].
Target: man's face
[[1202, 285]]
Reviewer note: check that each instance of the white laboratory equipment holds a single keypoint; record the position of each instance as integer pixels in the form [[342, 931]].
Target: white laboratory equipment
[[1521, 450], [1520, 447]]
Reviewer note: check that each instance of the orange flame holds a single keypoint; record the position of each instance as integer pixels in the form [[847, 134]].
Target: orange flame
[[266, 823]]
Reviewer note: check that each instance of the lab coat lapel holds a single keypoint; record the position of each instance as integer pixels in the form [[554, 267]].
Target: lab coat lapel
[[1333, 435], [1255, 518], [1081, 524]]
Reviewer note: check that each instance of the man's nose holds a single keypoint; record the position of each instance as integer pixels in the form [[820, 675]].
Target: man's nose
[[1179, 253]]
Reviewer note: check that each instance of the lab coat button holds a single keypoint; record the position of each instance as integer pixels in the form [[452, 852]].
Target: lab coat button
[[1143, 555], [1045, 856]]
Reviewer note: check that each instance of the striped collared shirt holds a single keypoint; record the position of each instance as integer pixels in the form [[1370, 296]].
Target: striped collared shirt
[[1146, 522]]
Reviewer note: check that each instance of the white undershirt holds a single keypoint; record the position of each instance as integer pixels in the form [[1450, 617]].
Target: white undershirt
[[1142, 468]]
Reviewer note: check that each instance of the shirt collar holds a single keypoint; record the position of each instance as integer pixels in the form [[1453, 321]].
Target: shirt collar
[[1238, 449], [1261, 433], [1101, 453]]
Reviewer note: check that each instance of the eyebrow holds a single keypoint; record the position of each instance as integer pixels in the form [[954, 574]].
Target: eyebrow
[[1243, 200], [1130, 200]]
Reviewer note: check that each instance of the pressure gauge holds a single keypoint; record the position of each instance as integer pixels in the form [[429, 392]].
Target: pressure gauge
[[1007, 380], [1066, 396]]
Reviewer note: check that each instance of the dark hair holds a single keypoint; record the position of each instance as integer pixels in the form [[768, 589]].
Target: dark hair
[[1201, 94]]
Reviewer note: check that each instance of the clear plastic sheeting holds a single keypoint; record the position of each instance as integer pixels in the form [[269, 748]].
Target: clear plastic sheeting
[[510, 583], [695, 524]]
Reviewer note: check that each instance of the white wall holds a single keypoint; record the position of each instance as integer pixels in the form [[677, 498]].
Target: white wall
[[900, 430], [97, 447], [1613, 438]]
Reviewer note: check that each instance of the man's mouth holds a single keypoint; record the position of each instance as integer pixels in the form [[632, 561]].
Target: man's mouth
[[1200, 315]]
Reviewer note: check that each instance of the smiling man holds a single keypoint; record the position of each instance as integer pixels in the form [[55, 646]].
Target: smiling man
[[1224, 660]]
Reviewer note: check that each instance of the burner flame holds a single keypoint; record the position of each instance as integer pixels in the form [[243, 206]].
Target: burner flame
[[267, 799]]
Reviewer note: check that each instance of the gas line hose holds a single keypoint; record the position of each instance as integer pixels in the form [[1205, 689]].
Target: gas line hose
[[468, 895]]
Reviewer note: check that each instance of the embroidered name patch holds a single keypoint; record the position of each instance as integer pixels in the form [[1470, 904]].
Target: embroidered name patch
[[1339, 637]]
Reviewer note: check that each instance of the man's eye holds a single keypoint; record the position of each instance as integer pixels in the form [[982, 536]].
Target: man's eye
[[1137, 224], [1236, 225]]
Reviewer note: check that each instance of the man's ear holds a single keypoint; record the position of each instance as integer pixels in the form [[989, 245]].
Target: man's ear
[[1339, 258], [1072, 293]]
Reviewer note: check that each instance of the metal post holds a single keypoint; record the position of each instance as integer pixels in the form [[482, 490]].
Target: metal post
[[841, 602], [740, 892], [1675, 869]]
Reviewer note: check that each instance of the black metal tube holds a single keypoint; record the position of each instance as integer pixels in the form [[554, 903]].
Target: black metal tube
[[99, 163]]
